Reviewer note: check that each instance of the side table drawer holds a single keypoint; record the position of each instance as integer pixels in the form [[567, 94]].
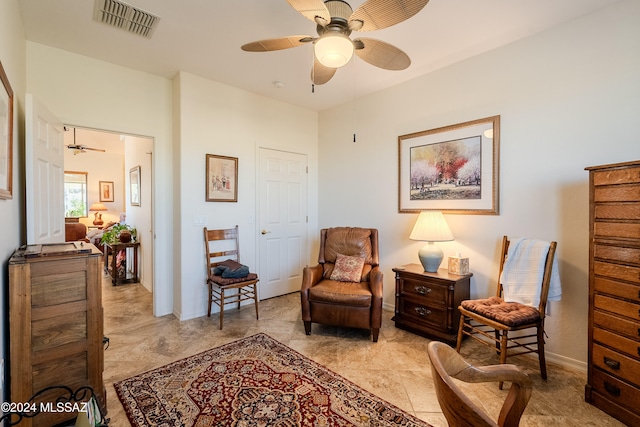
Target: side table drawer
[[617, 324], [617, 342], [416, 311], [614, 305], [428, 293]]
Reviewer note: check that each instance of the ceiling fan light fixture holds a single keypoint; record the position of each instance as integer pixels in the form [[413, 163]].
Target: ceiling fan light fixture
[[334, 50]]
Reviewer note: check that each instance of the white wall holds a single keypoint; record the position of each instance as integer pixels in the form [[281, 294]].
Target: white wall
[[218, 119], [138, 151], [568, 98], [95, 94], [12, 232]]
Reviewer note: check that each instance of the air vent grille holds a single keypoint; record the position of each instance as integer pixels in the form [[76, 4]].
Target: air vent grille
[[121, 15]]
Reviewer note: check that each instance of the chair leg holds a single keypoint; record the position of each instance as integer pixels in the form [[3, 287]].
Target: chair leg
[[541, 358], [255, 298], [460, 333], [210, 300], [376, 332], [503, 351], [221, 307], [498, 340], [239, 296], [307, 327]]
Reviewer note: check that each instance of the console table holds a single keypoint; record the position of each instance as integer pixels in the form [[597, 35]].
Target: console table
[[427, 303], [123, 267]]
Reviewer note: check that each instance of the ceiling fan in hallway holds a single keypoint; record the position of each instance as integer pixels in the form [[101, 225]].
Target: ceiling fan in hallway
[[80, 148], [335, 19]]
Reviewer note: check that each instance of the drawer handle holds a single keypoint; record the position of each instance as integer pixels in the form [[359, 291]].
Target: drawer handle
[[613, 364], [611, 389], [422, 311], [423, 290]]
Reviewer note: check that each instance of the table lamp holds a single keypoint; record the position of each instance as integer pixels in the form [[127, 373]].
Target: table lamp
[[431, 227], [97, 207]]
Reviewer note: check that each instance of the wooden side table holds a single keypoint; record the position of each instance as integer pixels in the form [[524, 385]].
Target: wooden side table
[[427, 303], [119, 269]]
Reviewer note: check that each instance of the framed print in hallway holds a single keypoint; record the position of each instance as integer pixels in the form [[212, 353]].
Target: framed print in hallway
[[453, 169], [6, 137], [134, 185], [106, 191], [222, 178]]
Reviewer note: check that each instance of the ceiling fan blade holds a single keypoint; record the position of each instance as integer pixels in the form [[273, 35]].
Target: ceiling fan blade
[[321, 74], [378, 14], [314, 10], [94, 149], [269, 45], [381, 54]]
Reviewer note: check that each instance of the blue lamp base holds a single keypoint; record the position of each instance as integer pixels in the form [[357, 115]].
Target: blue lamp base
[[430, 257]]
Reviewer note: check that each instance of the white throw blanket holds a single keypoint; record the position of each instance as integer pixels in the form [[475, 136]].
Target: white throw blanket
[[523, 271]]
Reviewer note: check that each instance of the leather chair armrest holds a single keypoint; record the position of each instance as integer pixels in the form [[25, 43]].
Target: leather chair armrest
[[375, 284], [310, 276]]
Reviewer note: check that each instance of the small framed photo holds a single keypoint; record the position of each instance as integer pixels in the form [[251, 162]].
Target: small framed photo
[[6, 137], [134, 185], [106, 191], [453, 169], [222, 179]]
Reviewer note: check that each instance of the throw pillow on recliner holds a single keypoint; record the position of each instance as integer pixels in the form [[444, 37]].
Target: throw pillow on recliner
[[347, 268]]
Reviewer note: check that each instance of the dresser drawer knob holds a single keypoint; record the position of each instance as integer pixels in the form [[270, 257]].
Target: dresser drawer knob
[[423, 290], [422, 311], [611, 389], [613, 364]]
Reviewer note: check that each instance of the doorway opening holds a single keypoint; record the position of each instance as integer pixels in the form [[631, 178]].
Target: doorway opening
[[119, 186]]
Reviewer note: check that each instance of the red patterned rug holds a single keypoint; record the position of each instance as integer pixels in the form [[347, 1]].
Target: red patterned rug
[[256, 381]]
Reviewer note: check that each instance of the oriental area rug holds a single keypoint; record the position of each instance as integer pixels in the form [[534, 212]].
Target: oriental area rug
[[256, 381]]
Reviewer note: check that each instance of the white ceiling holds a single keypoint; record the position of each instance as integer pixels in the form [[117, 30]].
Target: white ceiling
[[203, 37]]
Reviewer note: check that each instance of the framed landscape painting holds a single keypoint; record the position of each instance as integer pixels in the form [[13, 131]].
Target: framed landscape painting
[[453, 169]]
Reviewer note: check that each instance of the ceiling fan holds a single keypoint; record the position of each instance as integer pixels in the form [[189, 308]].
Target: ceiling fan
[[335, 21], [80, 148]]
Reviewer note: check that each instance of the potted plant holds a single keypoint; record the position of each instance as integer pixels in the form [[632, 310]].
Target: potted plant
[[119, 233]]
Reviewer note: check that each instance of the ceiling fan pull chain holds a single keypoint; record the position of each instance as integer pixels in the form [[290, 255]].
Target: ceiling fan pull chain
[[313, 88]]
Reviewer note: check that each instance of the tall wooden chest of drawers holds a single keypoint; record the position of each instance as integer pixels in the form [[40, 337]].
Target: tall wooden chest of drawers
[[56, 324], [614, 290]]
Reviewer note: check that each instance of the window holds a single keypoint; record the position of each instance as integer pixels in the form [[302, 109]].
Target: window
[[75, 194]]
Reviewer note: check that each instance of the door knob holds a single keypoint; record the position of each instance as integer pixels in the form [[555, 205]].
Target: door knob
[[265, 232]]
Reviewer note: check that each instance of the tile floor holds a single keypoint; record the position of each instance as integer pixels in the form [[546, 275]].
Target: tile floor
[[396, 368]]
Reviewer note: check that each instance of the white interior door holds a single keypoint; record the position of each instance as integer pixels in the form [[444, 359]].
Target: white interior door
[[283, 221], [44, 174]]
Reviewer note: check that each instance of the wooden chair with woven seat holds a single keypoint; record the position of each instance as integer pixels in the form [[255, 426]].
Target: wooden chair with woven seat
[[223, 250], [494, 318], [458, 409]]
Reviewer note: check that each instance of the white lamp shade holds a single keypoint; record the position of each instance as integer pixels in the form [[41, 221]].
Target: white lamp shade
[[334, 50], [431, 227]]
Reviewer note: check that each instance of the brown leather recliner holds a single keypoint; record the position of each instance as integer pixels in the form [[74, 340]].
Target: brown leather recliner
[[344, 303]]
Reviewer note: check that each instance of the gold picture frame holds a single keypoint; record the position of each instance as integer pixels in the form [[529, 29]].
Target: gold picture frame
[[453, 169], [6, 137], [134, 185], [106, 191], [222, 178]]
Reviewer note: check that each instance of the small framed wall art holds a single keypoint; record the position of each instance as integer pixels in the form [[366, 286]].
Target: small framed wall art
[[6, 137], [222, 178], [453, 169], [106, 191], [134, 185]]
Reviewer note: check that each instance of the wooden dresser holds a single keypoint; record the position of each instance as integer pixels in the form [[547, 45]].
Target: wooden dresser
[[614, 291], [55, 324], [427, 303]]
